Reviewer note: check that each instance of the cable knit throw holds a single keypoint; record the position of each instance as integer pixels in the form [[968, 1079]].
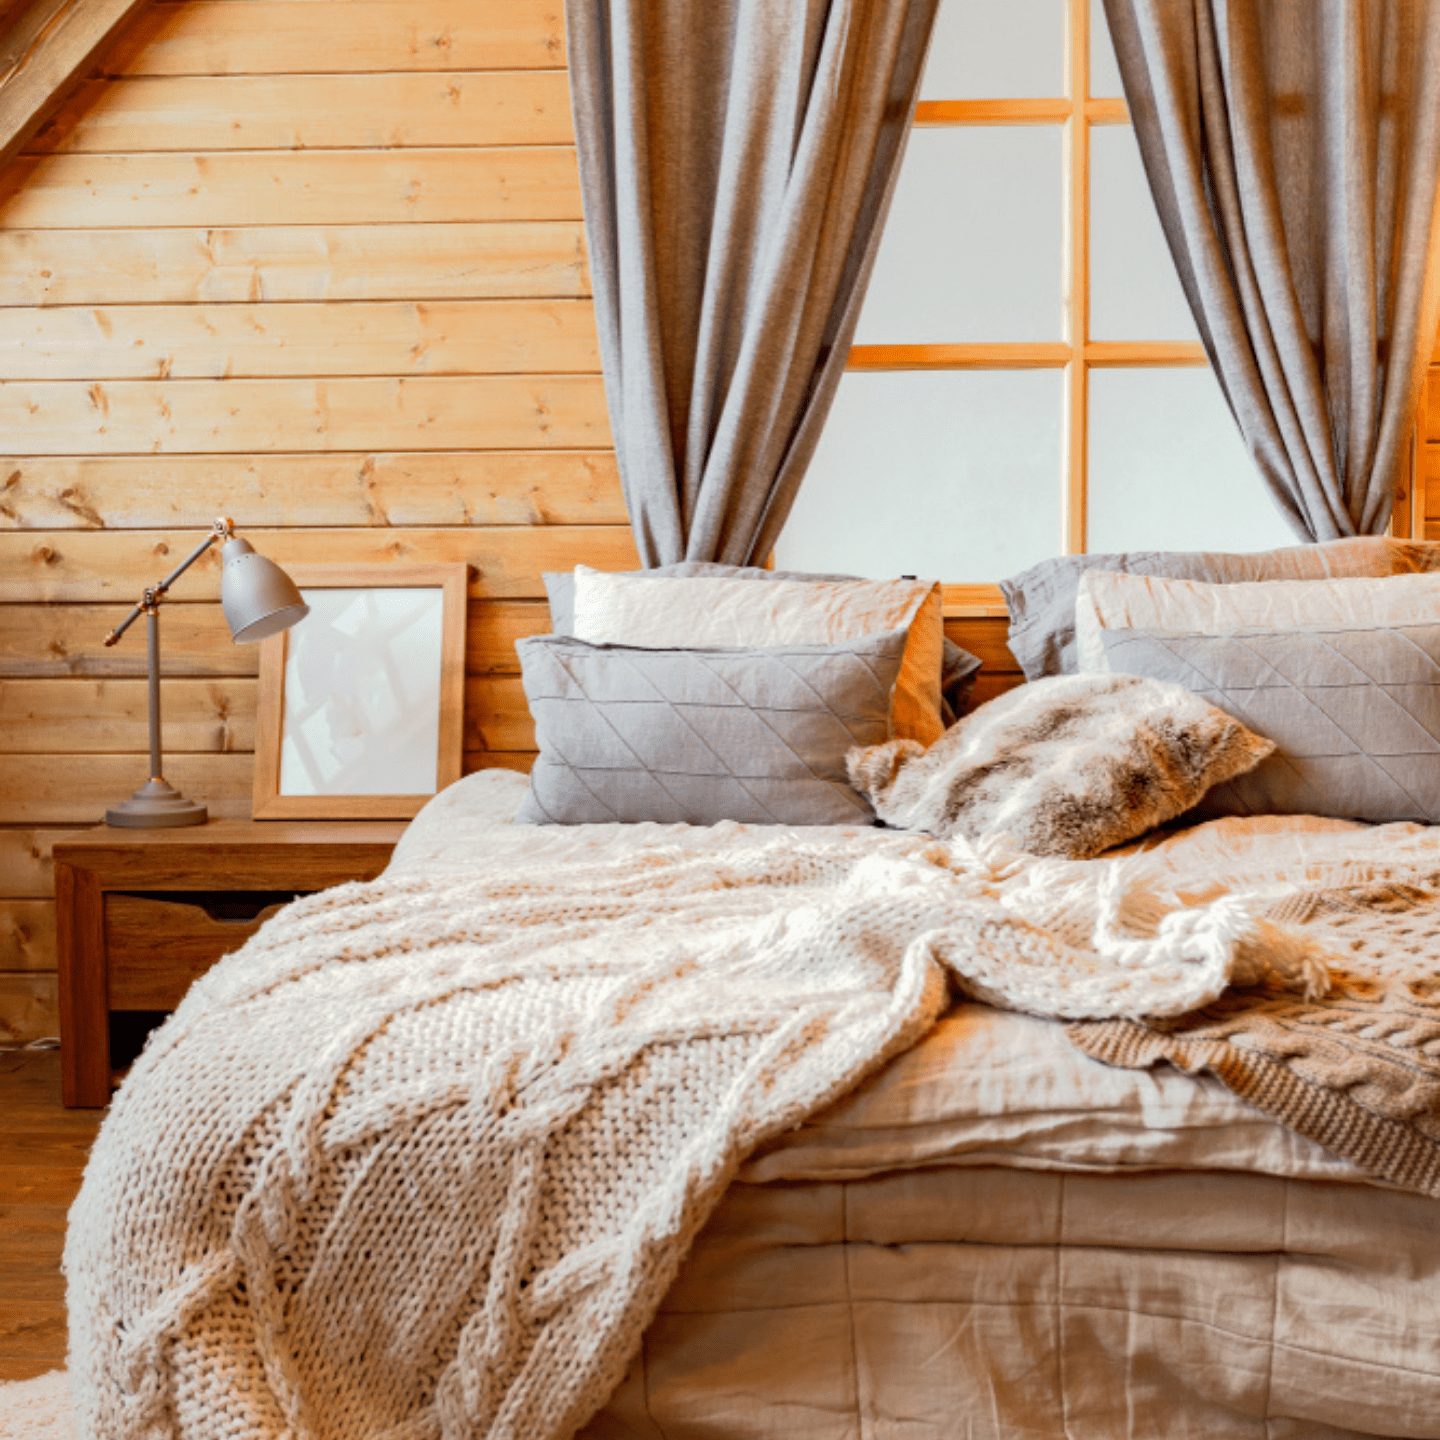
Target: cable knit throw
[[420, 1160], [1359, 1071]]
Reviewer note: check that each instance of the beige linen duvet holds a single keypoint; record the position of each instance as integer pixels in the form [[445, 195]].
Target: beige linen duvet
[[995, 1303], [998, 1237]]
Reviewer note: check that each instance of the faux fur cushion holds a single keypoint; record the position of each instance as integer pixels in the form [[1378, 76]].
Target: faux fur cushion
[[1066, 766]]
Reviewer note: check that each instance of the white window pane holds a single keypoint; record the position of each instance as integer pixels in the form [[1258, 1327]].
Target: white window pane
[[971, 249], [1168, 469], [996, 50], [1135, 293], [1104, 70], [952, 475]]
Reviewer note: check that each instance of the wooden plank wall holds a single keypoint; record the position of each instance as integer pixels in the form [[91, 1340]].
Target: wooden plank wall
[[319, 265]]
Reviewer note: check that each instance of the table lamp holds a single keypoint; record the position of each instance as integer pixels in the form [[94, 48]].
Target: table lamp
[[258, 599]]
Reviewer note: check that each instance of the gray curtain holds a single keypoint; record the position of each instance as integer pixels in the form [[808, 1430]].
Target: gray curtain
[[1292, 147], [736, 161]]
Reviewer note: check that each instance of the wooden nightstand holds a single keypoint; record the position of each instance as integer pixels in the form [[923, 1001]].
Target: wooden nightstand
[[141, 913]]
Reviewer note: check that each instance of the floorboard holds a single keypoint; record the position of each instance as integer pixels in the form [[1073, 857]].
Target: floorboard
[[42, 1155]]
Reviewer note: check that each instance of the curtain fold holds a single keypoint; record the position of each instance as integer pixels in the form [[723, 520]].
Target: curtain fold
[[736, 163], [1293, 148]]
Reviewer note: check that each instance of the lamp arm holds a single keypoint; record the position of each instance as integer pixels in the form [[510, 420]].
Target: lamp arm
[[152, 597]]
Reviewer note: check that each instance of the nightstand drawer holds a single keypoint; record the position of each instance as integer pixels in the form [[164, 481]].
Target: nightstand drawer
[[141, 914], [158, 945]]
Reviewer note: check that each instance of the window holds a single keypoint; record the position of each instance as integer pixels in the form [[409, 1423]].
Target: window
[[1026, 377]]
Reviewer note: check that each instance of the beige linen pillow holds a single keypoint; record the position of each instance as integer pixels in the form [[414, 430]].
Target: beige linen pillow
[[1041, 599], [1108, 600], [668, 613]]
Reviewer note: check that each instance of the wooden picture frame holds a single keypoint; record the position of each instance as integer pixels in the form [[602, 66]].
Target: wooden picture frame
[[275, 797]]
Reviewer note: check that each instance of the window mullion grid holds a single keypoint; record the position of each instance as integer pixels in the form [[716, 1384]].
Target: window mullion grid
[[1074, 454]]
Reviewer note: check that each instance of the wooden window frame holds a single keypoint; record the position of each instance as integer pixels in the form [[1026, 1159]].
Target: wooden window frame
[[1075, 354]]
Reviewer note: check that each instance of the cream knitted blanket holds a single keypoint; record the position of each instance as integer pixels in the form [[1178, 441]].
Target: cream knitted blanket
[[1357, 1070], [421, 1159]]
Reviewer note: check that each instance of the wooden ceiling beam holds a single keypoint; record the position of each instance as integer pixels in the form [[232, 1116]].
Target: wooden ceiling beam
[[47, 46]]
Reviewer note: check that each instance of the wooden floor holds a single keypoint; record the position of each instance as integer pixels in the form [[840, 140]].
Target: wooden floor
[[42, 1155]]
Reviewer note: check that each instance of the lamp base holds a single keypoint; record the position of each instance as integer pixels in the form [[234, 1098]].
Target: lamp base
[[156, 805]]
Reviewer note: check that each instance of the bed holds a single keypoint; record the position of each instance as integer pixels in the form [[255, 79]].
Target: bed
[[993, 1236], [999, 1237], [720, 1131]]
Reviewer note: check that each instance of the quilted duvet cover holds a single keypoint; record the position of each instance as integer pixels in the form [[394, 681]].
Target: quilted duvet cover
[[998, 1238], [991, 1302]]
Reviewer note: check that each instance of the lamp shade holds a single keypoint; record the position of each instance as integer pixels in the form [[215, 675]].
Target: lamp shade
[[258, 597]]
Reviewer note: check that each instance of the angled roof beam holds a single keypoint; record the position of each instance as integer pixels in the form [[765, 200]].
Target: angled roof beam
[[46, 47]]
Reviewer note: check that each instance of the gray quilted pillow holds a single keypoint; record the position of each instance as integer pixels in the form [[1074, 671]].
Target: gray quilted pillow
[[697, 736], [1354, 714]]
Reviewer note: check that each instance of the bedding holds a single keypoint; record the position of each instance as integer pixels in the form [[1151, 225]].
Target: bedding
[[1368, 1052], [994, 1082], [995, 1237], [985, 1084], [560, 584], [1072, 766], [988, 1302], [422, 1156], [1041, 599], [1354, 713], [703, 735], [958, 667], [1109, 601], [662, 613], [282, 1131]]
